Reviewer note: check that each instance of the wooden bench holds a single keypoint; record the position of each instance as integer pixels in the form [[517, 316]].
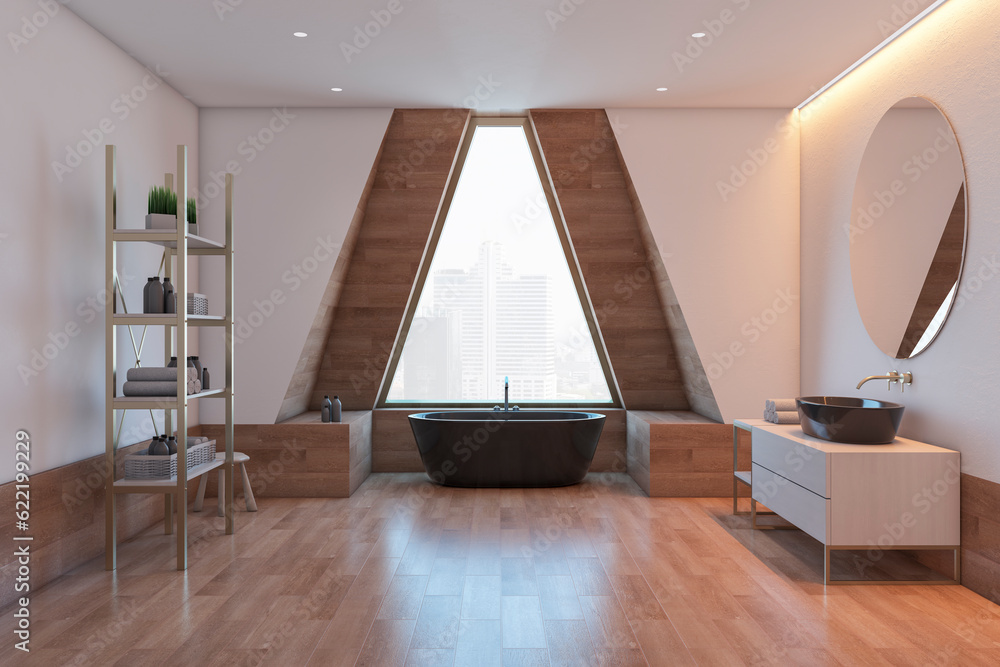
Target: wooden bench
[[679, 454], [303, 457]]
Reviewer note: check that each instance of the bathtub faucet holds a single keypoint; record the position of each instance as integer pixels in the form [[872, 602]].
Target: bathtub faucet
[[506, 397]]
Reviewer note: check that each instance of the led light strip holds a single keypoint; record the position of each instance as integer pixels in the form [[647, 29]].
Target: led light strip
[[888, 40]]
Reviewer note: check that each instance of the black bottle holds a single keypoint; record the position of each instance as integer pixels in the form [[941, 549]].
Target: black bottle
[[152, 296], [169, 302]]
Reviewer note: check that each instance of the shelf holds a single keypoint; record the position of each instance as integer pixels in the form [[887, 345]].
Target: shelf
[[168, 320], [159, 402], [167, 239], [181, 246], [163, 485], [743, 476]]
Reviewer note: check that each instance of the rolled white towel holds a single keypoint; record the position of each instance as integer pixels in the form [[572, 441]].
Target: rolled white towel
[[784, 405], [786, 417]]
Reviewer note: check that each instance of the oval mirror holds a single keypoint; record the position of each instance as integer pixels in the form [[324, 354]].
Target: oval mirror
[[908, 227]]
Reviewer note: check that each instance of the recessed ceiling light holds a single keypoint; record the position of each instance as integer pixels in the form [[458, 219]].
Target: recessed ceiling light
[[698, 35], [337, 90], [661, 90], [300, 34]]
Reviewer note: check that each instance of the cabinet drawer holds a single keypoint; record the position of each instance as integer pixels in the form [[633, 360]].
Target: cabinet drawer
[[793, 503], [792, 460]]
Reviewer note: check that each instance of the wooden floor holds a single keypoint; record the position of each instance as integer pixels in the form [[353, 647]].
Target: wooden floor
[[405, 572]]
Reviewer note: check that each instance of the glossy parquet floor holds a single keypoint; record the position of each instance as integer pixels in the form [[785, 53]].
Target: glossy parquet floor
[[409, 573]]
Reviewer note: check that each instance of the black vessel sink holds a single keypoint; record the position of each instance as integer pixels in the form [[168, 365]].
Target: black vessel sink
[[857, 421]]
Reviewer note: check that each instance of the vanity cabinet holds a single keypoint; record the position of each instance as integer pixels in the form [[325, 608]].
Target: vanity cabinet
[[903, 495]]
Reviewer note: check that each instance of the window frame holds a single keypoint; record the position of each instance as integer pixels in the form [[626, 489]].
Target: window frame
[[545, 177]]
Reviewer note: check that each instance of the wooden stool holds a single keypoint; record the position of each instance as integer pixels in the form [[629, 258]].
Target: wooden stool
[[240, 459]]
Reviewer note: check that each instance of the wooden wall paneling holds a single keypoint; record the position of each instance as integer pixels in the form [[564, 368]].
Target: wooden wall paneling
[[67, 519], [417, 157], [981, 536], [581, 157]]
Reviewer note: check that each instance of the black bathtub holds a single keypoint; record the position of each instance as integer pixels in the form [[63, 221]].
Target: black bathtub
[[525, 448]]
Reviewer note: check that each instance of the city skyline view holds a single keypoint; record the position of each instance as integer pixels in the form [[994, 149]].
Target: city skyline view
[[495, 304]]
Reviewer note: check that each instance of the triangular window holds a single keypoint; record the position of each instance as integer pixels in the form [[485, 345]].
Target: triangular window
[[499, 294]]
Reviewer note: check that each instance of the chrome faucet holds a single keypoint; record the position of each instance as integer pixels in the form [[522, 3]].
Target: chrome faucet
[[891, 378], [506, 395]]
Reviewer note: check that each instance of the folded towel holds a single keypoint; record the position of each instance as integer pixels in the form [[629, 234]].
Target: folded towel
[[194, 386], [783, 405], [158, 374], [192, 441], [785, 417], [149, 389]]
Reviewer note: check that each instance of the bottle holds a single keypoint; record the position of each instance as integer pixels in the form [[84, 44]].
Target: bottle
[[335, 416], [173, 362], [160, 447], [171, 445], [204, 380], [152, 296], [152, 445], [197, 364], [326, 412], [169, 302]]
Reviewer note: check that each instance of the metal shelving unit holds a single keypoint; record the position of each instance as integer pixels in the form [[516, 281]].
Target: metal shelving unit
[[177, 245]]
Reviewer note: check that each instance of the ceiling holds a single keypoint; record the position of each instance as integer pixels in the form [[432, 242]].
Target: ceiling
[[499, 54]]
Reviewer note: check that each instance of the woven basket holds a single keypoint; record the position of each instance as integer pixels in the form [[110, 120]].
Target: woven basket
[[146, 466]]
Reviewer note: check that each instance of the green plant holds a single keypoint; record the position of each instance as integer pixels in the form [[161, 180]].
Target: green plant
[[192, 212], [162, 200]]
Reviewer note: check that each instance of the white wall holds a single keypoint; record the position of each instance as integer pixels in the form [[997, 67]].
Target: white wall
[[65, 86], [299, 176], [720, 191], [951, 58]]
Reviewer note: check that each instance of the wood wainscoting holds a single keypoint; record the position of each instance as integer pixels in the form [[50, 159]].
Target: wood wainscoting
[[67, 519], [580, 153], [981, 536], [415, 163]]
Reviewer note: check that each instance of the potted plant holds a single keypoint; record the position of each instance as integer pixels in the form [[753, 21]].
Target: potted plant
[[192, 212], [162, 210]]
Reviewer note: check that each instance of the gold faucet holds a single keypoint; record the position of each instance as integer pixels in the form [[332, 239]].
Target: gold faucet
[[892, 377]]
